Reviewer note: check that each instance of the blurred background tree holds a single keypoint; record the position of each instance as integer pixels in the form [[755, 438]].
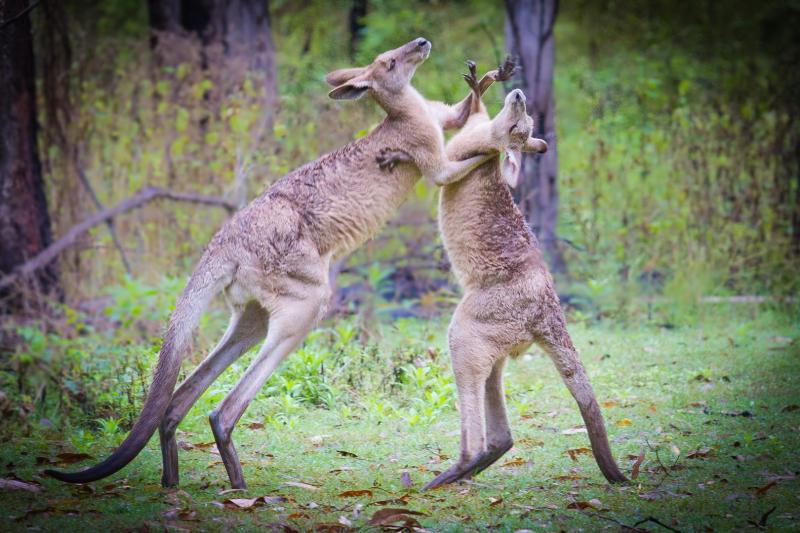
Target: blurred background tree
[[675, 174]]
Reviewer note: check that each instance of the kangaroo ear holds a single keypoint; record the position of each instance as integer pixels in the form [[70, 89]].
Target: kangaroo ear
[[352, 90], [343, 75], [512, 164], [534, 145]]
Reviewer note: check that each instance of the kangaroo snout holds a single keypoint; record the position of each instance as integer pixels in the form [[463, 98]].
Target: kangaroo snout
[[421, 46], [516, 97]]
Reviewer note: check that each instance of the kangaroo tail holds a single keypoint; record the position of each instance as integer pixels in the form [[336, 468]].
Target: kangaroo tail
[[202, 287], [574, 376]]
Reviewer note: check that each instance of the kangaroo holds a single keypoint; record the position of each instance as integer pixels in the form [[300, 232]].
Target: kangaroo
[[509, 298], [272, 258]]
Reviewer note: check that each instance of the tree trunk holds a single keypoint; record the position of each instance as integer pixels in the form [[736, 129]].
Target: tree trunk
[[24, 220], [358, 10], [247, 37], [529, 37], [235, 38]]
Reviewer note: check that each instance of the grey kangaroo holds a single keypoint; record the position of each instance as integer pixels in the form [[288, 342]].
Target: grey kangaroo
[[509, 299], [272, 258]]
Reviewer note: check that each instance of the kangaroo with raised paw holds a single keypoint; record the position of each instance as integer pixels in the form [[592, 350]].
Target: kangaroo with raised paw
[[272, 258], [509, 299]]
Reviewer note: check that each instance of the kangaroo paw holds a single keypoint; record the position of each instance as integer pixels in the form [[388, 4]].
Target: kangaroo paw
[[387, 159]]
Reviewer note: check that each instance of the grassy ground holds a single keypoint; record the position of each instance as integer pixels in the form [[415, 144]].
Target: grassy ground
[[713, 407]]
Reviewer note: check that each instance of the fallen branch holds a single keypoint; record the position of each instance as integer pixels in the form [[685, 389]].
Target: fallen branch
[[148, 194]]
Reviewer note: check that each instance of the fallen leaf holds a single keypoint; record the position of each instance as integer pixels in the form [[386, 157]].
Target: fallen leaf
[[763, 490], [574, 430], [203, 445], [405, 479], [624, 422], [699, 453], [390, 515], [15, 484], [568, 477], [637, 464], [346, 453], [345, 521], [652, 495], [301, 485], [518, 461], [494, 502], [340, 469], [581, 505], [530, 441], [791, 407], [355, 493], [610, 403], [69, 458], [255, 425], [575, 452]]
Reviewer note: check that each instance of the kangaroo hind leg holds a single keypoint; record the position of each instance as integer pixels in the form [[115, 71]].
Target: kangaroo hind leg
[[472, 360], [288, 326], [247, 327]]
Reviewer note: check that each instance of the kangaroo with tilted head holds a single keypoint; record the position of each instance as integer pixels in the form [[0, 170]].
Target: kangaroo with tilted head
[[509, 298], [272, 258]]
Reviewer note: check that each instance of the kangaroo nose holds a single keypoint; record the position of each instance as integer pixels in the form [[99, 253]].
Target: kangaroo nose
[[422, 42], [518, 97]]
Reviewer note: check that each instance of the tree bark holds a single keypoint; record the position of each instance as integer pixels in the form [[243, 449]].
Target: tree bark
[[529, 37], [235, 37], [24, 219], [358, 10]]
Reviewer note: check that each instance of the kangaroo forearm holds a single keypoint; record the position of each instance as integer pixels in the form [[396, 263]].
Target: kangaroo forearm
[[454, 171]]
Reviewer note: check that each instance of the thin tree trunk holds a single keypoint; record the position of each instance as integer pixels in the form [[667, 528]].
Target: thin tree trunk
[[358, 10], [529, 37], [24, 220]]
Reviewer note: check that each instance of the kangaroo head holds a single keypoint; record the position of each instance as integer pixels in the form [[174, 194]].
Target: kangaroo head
[[385, 78], [511, 132]]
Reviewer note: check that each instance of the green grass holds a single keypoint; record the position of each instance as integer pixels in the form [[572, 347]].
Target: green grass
[[721, 387]]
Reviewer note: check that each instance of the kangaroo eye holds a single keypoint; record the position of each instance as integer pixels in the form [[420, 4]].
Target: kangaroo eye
[[391, 64]]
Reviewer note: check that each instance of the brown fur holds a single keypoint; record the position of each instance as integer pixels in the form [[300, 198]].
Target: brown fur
[[509, 299], [272, 258]]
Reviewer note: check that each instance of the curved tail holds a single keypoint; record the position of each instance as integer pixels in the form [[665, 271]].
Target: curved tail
[[574, 376], [202, 287]]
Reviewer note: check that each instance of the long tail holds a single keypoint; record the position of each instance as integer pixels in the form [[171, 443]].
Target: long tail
[[572, 372], [202, 287]]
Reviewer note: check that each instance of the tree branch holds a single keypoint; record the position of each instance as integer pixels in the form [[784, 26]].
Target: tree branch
[[148, 194]]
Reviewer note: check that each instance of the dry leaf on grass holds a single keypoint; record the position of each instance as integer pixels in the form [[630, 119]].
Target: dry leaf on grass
[[518, 461], [575, 452], [255, 425], [345, 453], [390, 515], [624, 422], [574, 430], [700, 453], [355, 493], [608, 404], [68, 458], [249, 503], [301, 485], [594, 503], [763, 490], [637, 464]]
